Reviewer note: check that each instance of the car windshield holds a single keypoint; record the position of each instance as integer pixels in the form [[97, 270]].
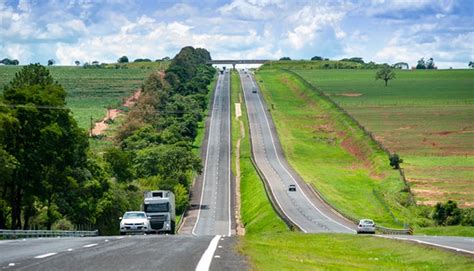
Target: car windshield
[[134, 215], [367, 222], [157, 207]]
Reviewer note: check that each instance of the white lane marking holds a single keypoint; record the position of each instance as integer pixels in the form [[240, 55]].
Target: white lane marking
[[11, 264], [217, 256], [428, 243], [207, 158], [70, 249], [286, 170], [271, 188], [45, 255], [90, 245], [206, 258], [121, 237], [229, 166], [219, 246], [106, 240]]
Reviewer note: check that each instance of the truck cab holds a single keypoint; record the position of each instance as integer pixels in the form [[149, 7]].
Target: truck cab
[[159, 206]]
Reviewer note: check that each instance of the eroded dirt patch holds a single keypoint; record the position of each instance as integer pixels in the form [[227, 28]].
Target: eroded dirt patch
[[102, 125]]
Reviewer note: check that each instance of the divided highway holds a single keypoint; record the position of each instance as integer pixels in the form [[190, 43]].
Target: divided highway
[[301, 207]]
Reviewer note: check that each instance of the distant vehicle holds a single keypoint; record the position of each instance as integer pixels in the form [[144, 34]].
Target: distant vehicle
[[366, 226], [159, 206], [292, 187], [134, 222], [254, 90]]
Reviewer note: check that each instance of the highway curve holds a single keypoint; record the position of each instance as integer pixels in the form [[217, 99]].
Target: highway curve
[[302, 208]]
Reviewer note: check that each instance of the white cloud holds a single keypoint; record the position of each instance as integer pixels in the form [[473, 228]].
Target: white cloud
[[311, 19], [250, 10]]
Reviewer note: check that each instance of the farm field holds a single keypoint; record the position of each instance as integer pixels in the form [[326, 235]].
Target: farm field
[[90, 91], [425, 116], [269, 245], [331, 154]]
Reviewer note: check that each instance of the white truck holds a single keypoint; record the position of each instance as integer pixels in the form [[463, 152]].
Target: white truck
[[159, 207]]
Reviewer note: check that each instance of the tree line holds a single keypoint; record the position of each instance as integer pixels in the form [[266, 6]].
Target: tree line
[[51, 178]]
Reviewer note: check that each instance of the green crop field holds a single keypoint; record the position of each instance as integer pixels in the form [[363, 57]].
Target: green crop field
[[269, 245], [91, 91], [425, 116]]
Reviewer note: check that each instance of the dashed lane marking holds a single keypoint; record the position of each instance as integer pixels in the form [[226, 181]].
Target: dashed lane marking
[[90, 245], [45, 255]]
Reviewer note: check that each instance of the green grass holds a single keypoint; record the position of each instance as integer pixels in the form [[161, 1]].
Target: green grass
[[312, 134], [425, 116], [257, 214], [90, 91], [298, 251], [269, 245]]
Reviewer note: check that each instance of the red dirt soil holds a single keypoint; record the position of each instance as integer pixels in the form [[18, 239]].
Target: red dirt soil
[[101, 126]]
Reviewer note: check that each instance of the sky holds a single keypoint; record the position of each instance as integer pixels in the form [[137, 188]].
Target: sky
[[383, 31]]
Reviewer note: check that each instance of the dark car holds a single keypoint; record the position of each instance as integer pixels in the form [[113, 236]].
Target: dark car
[[292, 187]]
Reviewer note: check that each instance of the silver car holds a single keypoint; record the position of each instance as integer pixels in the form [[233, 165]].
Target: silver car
[[366, 226], [134, 222]]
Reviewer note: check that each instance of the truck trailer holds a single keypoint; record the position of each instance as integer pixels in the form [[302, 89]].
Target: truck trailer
[[159, 206]]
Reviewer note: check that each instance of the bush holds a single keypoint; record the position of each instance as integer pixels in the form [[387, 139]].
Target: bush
[[63, 224], [447, 214]]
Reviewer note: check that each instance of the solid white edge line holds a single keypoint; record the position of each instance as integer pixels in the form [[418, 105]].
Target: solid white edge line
[[45, 255], [291, 176], [271, 188], [427, 243], [207, 156], [230, 165], [206, 258]]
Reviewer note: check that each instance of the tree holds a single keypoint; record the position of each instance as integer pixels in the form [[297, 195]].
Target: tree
[[385, 73], [395, 161], [51, 62], [95, 62], [7, 61], [46, 143], [123, 59], [77, 62], [421, 65], [285, 58], [471, 64], [447, 213], [430, 65], [354, 59], [400, 65]]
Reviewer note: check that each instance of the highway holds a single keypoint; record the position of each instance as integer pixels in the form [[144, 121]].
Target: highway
[[152, 252], [301, 207], [214, 210]]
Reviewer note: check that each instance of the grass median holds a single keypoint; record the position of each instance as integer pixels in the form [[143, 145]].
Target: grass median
[[270, 245]]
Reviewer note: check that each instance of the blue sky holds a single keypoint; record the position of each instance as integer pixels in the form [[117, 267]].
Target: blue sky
[[379, 30]]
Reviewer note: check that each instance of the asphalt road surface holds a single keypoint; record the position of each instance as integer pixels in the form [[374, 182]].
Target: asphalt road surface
[[151, 252], [214, 211], [304, 209]]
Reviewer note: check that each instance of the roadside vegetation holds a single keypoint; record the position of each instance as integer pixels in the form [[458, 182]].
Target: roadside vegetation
[[270, 245], [50, 176]]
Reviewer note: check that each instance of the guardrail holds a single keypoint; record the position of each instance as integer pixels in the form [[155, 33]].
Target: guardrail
[[384, 230], [14, 234]]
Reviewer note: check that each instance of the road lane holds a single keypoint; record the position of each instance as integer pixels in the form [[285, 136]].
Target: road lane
[[214, 215], [305, 210], [456, 243], [151, 252]]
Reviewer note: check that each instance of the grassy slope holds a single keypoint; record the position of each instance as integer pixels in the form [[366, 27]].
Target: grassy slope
[[312, 132], [426, 116], [270, 246]]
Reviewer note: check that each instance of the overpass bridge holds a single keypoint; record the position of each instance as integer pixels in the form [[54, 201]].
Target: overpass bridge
[[238, 61]]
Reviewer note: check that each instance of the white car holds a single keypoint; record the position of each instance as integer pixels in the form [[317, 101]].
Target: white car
[[366, 226], [134, 222]]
